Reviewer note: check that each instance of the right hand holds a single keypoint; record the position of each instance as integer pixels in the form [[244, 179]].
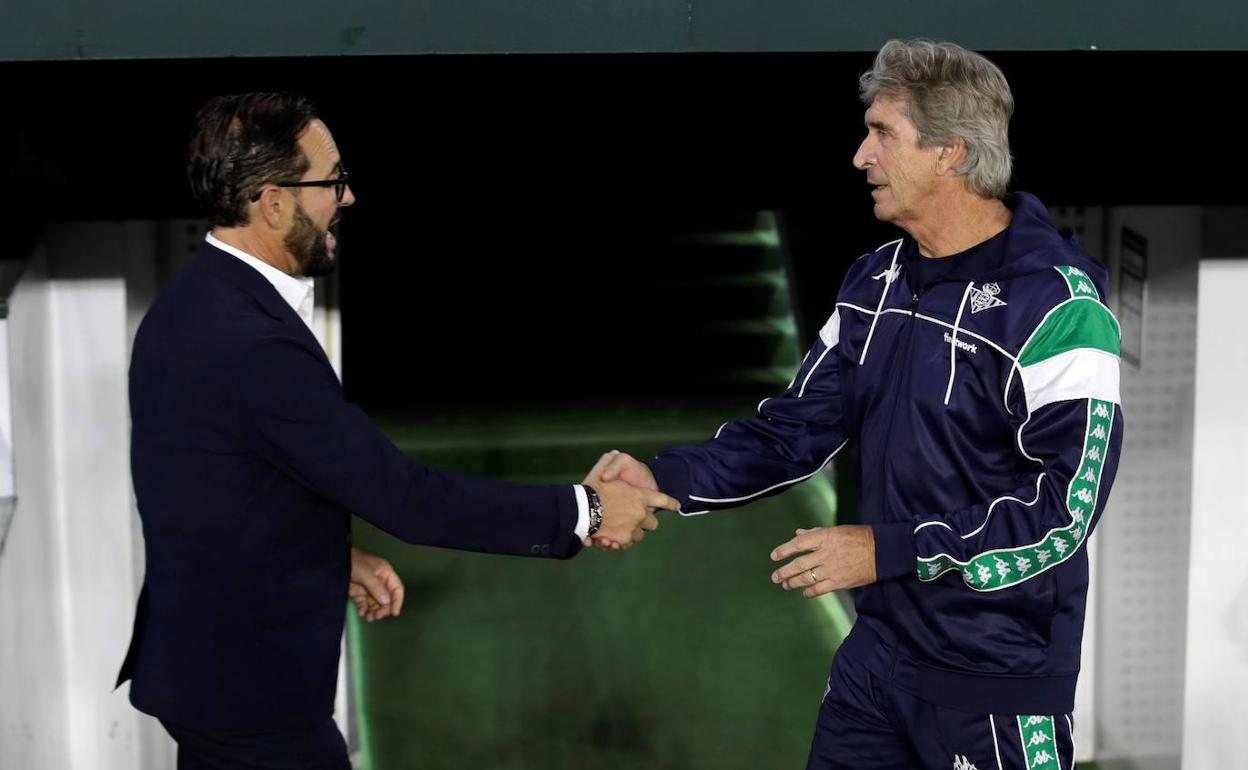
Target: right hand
[[627, 482], [628, 512]]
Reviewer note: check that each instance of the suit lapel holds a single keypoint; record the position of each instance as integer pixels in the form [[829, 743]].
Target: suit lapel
[[242, 276]]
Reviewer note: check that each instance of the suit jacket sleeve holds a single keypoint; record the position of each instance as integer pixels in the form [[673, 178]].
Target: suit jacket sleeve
[[294, 415]]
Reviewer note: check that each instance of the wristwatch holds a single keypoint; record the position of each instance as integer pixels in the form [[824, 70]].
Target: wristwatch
[[595, 509]]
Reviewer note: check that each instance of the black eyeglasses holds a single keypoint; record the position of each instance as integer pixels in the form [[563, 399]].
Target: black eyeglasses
[[339, 183]]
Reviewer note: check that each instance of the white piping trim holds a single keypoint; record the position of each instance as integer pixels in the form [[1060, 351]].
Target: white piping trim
[[1005, 394], [887, 283], [759, 408], [945, 324], [993, 504], [1023, 347], [811, 373], [953, 342], [799, 371], [937, 321], [1019, 440], [773, 486], [721, 430], [1071, 727], [859, 308], [986, 515], [992, 724], [1057, 753]]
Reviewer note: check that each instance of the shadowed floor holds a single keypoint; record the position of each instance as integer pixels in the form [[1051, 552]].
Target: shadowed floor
[[677, 654]]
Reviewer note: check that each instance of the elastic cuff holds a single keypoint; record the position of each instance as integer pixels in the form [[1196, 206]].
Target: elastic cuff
[[895, 552]]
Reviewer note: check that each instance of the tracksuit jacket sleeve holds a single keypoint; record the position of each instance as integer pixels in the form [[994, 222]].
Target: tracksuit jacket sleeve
[[790, 438], [294, 415], [1025, 531], [1068, 427]]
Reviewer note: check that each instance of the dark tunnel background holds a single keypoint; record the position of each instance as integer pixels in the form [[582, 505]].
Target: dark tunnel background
[[473, 265]]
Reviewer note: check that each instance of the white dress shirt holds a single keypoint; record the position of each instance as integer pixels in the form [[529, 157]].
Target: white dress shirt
[[299, 293]]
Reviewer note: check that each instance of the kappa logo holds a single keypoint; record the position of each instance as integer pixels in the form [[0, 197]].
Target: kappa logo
[[889, 274], [962, 763], [985, 297]]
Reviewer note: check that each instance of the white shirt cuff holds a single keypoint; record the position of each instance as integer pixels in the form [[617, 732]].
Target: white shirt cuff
[[582, 512]]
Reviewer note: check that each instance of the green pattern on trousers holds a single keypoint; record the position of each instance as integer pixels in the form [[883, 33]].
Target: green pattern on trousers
[[1039, 740]]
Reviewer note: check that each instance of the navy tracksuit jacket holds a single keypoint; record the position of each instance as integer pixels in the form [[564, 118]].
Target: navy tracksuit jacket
[[985, 409]]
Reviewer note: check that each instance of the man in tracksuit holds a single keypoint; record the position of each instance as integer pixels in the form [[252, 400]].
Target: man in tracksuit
[[975, 364]]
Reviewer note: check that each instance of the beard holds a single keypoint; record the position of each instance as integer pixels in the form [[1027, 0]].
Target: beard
[[307, 244]]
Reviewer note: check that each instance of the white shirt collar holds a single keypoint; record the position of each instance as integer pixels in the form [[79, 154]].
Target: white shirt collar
[[299, 293]]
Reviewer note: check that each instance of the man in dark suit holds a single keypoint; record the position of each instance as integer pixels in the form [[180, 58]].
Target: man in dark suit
[[248, 463]]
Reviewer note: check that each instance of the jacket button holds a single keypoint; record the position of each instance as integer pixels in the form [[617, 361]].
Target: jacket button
[[545, 549], [535, 549]]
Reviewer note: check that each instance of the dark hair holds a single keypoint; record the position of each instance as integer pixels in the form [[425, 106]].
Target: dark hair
[[240, 143]]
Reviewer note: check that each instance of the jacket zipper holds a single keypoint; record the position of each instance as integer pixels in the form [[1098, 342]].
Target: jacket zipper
[[904, 360]]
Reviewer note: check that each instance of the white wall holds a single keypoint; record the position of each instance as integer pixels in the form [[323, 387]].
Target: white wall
[[1143, 569], [66, 584], [32, 650], [6, 415], [1217, 620], [7, 490]]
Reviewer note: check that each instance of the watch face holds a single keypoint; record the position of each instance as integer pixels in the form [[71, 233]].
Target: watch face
[[595, 510]]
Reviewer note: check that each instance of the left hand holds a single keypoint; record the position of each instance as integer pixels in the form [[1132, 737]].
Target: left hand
[[375, 587], [835, 558]]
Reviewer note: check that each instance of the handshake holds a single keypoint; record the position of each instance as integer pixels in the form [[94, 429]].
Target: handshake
[[629, 496], [821, 560]]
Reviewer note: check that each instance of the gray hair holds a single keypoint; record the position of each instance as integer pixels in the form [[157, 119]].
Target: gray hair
[[951, 93]]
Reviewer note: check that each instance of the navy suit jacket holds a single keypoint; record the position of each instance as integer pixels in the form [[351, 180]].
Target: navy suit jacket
[[247, 465]]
